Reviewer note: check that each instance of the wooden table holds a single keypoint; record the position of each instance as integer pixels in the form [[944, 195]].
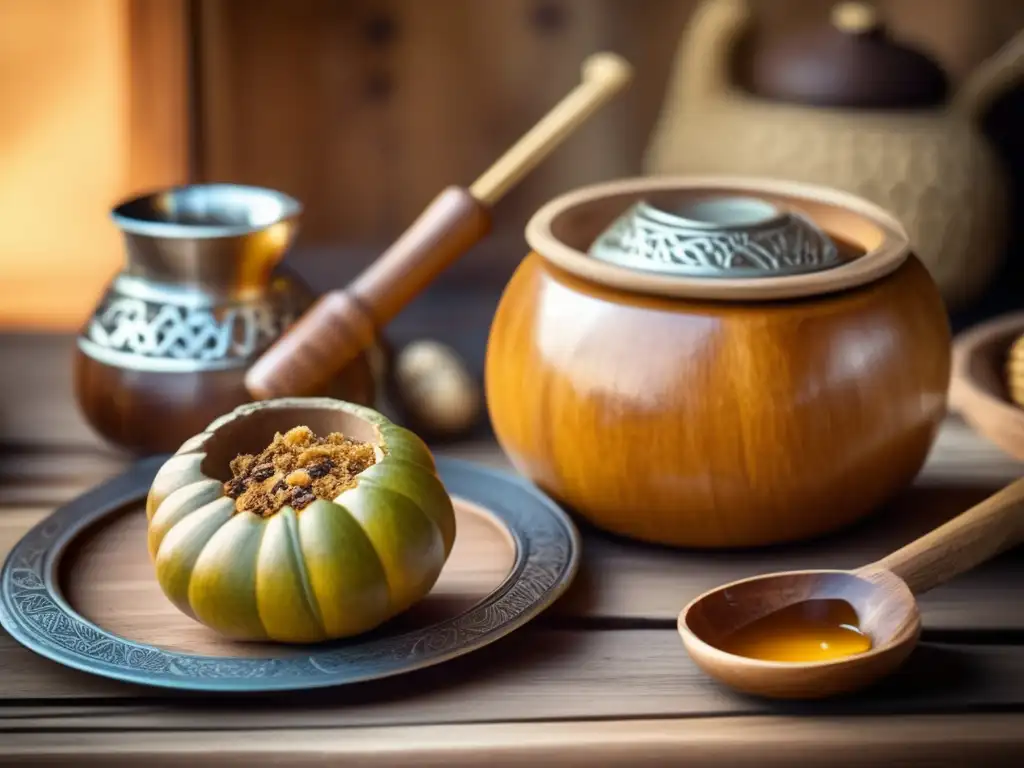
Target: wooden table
[[600, 679]]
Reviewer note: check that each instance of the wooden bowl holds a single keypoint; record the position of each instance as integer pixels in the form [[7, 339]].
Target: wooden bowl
[[978, 390], [718, 412]]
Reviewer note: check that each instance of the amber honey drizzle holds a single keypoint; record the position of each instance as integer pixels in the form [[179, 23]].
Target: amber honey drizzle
[[813, 630]]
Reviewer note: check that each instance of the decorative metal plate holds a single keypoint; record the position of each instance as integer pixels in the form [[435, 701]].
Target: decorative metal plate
[[34, 611]]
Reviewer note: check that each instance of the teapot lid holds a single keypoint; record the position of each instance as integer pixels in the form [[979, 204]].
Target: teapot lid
[[852, 62], [723, 236]]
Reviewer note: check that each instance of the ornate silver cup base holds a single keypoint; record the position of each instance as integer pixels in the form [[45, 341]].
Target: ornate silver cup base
[[145, 327]]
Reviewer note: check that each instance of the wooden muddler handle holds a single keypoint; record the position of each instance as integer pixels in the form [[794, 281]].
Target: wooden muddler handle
[[342, 324], [966, 541]]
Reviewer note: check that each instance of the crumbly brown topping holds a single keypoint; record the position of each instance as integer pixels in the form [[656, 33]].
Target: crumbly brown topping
[[296, 469]]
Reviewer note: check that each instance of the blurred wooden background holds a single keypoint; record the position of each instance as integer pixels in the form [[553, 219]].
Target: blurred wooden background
[[363, 109]]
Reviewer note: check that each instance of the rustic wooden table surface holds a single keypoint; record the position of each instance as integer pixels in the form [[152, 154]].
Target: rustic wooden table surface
[[600, 679]]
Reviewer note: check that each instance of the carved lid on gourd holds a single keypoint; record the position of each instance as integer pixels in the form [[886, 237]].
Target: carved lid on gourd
[[716, 235], [718, 238], [853, 61]]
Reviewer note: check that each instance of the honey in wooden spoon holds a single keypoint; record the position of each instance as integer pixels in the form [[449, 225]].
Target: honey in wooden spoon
[[720, 626], [811, 630]]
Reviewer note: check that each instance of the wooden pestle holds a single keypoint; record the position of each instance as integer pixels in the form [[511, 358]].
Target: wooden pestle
[[343, 323]]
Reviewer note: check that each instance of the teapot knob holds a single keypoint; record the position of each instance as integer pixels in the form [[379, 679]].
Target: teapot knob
[[856, 18]]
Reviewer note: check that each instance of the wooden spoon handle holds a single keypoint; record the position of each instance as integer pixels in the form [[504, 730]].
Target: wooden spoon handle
[[602, 76], [966, 541]]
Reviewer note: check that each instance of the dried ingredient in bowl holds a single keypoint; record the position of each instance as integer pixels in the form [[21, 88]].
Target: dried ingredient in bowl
[[297, 468]]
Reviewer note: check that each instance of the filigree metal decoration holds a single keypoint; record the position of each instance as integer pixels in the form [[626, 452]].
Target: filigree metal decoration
[[166, 331], [651, 239], [35, 613]]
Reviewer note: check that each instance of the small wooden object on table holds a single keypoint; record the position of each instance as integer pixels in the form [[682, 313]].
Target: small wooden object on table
[[987, 386]]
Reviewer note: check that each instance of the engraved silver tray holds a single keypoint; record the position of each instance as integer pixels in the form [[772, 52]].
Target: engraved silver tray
[[34, 611]]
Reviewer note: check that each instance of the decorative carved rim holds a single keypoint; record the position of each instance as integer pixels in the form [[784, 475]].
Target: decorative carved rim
[[35, 612], [877, 232], [663, 242]]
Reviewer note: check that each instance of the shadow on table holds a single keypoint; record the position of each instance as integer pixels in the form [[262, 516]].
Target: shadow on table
[[936, 678]]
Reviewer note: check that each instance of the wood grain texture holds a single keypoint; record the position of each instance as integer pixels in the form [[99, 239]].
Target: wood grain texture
[[38, 410], [408, 99], [761, 742], [539, 687], [363, 110], [712, 425], [622, 581], [532, 675], [626, 582]]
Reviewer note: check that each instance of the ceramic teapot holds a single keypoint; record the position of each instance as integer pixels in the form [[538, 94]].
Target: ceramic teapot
[[718, 362], [849, 107]]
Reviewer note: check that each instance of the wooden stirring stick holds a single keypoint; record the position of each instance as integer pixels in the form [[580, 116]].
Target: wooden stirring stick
[[343, 323]]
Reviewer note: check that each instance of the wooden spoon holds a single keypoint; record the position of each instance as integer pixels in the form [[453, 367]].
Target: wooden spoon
[[882, 593], [343, 323]]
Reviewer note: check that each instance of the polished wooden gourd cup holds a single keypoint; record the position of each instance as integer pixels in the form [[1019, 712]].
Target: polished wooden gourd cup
[[685, 402]]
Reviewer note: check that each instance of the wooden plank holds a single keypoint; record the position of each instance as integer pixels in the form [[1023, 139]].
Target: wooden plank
[[159, 131], [365, 110], [623, 581], [534, 674], [960, 459], [627, 581], [37, 404], [37, 398], [757, 742]]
